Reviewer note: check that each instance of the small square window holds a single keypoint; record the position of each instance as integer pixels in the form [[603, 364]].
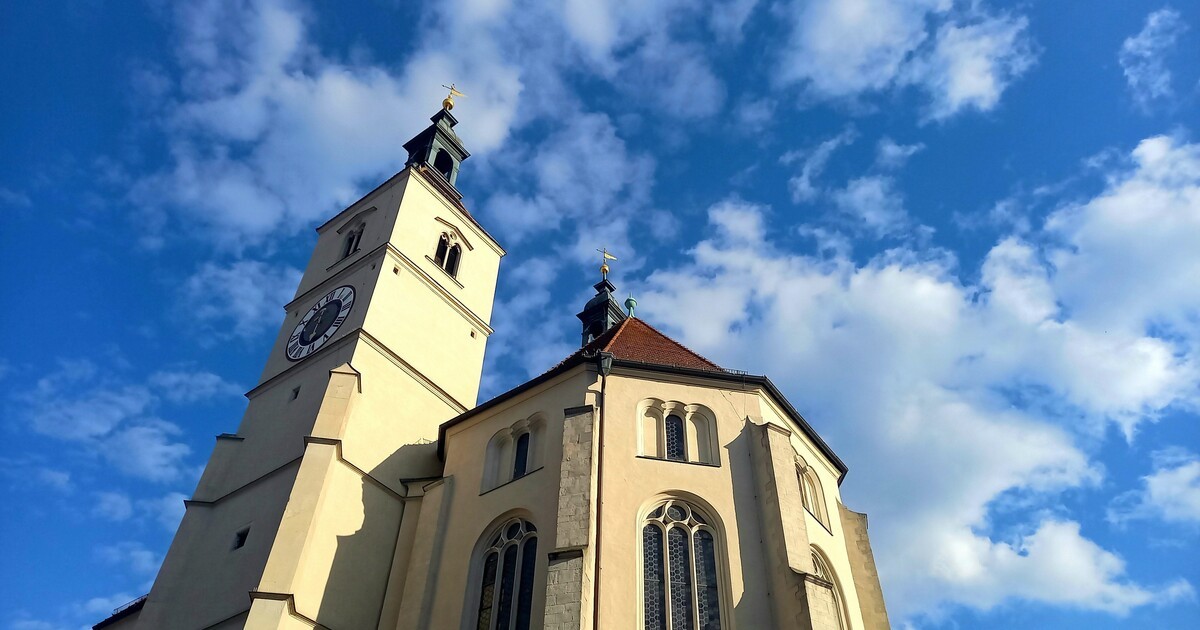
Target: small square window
[[239, 539], [296, 392], [472, 334], [396, 270]]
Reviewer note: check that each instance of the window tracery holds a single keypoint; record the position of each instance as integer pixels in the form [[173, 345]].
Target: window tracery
[[680, 580], [509, 566]]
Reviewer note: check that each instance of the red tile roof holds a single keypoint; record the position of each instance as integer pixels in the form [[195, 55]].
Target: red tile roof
[[635, 340]]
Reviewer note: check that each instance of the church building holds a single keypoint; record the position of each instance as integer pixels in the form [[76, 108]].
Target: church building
[[635, 485]]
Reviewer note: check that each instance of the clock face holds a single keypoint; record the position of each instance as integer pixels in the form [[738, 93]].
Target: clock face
[[320, 323]]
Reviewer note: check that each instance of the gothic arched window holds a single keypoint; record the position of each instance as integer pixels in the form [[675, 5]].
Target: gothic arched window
[[448, 254], [811, 492], [825, 572], [680, 582], [507, 577], [452, 259], [443, 246], [353, 238]]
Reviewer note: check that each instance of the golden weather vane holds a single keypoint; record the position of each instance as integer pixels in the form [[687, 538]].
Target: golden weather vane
[[448, 102], [605, 257]]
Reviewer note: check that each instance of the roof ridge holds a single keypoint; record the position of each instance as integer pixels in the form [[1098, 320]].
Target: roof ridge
[[668, 338], [620, 329]]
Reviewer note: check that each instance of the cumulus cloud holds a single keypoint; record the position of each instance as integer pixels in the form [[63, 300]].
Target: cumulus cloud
[[267, 134], [1170, 493], [971, 64], [1143, 57], [841, 49], [873, 203], [896, 360], [244, 298]]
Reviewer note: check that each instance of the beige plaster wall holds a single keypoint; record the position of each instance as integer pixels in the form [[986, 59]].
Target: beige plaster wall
[[470, 514], [203, 580]]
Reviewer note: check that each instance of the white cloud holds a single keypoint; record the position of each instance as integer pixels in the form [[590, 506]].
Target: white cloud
[[272, 136], [166, 510], [1143, 57], [14, 198], [67, 405], [970, 65], [242, 299], [132, 555], [842, 49], [182, 386], [147, 451], [1170, 493], [58, 479], [812, 164], [586, 149], [992, 386], [113, 506], [891, 155], [873, 203], [107, 415]]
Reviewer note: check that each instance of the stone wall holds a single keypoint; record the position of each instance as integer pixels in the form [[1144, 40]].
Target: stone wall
[[568, 581]]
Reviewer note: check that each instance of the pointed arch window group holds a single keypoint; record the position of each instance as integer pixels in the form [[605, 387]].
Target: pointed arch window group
[[507, 578], [680, 583], [448, 254]]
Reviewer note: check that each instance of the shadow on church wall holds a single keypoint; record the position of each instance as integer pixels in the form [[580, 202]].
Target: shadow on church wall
[[362, 563]]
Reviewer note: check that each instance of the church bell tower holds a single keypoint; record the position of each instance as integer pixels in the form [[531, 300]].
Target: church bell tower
[[303, 506]]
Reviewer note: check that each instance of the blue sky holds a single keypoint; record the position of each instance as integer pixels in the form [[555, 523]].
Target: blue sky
[[960, 235]]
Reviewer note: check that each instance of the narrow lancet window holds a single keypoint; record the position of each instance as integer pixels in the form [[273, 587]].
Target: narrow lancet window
[[676, 442], [521, 456]]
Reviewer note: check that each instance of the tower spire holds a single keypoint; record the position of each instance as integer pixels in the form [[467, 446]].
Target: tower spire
[[602, 312]]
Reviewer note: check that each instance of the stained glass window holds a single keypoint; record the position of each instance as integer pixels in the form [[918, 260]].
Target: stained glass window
[[677, 592], [652, 574], [507, 578], [708, 605], [675, 439]]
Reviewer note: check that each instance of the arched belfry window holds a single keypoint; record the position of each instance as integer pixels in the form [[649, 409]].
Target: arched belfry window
[[508, 565], [822, 570], [681, 585], [444, 164], [452, 259], [352, 240], [675, 431], [443, 246], [448, 253], [811, 492]]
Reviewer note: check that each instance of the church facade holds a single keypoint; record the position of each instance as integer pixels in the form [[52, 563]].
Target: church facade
[[635, 485]]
